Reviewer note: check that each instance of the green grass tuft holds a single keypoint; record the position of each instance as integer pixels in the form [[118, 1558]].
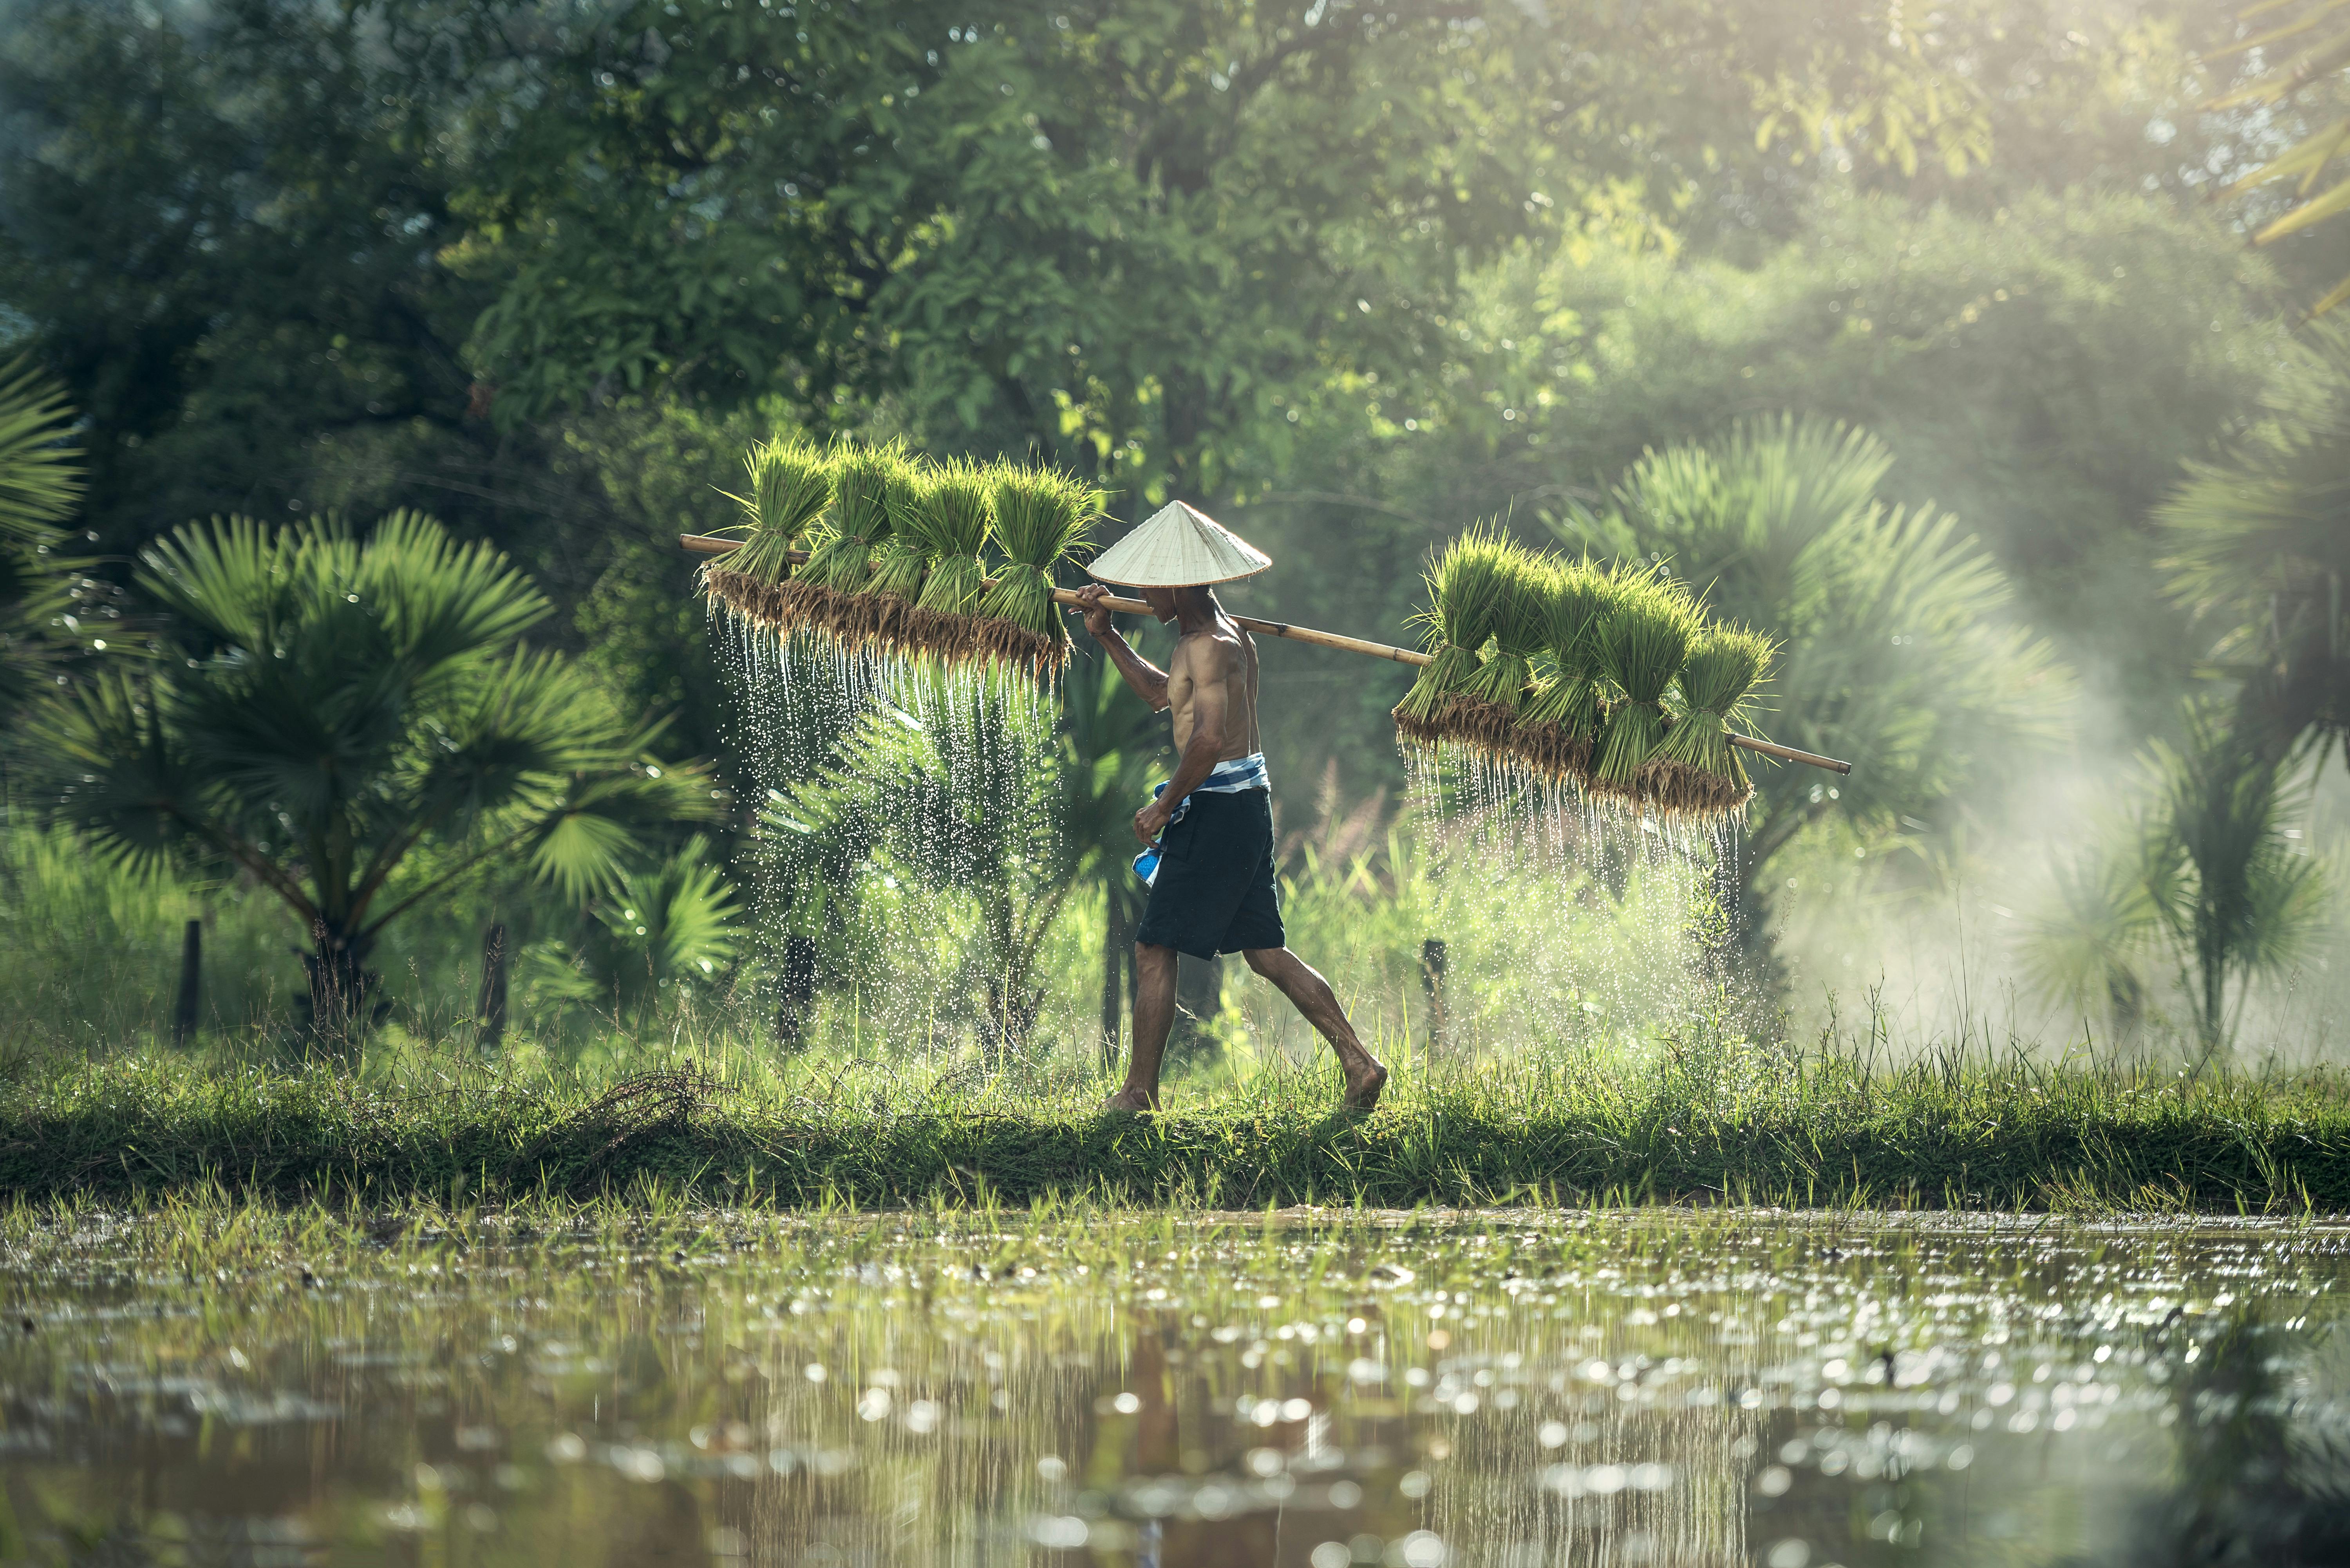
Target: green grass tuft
[[1043, 518], [791, 484], [1711, 1116], [1644, 640]]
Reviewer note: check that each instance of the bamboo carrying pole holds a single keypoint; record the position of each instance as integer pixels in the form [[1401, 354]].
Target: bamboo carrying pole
[[705, 545]]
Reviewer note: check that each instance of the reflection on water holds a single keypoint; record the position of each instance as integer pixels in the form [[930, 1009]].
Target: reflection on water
[[1304, 1389]]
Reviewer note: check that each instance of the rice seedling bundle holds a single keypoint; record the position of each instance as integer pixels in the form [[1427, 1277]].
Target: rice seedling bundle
[[900, 558], [1559, 727], [1486, 712], [791, 485], [1465, 585], [1644, 639], [1695, 770], [1043, 517], [952, 522], [840, 560]]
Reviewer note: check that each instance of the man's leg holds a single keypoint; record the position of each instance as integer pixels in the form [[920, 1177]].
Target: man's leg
[[1311, 995], [1154, 1015]]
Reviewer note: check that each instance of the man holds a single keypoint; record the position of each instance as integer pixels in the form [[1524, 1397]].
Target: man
[[1208, 833]]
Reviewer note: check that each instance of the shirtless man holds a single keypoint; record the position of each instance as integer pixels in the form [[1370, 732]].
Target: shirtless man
[[1214, 889]]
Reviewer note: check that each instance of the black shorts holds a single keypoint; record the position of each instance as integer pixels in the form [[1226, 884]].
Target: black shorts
[[1215, 890]]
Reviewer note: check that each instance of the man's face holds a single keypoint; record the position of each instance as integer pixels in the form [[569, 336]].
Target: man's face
[[1162, 602]]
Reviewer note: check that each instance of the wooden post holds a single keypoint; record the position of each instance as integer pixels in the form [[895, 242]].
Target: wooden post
[[799, 992], [191, 968], [1432, 984], [492, 1010]]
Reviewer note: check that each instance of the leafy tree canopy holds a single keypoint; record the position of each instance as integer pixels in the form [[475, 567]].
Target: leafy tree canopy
[[355, 723]]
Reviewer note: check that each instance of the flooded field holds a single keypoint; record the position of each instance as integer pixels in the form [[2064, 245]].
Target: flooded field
[[214, 1385]]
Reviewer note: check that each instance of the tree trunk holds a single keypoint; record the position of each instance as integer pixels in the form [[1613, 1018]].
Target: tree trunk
[[797, 1003], [492, 1010], [341, 1001], [191, 966]]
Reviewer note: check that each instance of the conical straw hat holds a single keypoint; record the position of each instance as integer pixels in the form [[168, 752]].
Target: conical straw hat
[[1180, 546]]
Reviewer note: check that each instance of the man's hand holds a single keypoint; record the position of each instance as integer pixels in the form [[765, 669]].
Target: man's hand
[[1090, 604], [1152, 821]]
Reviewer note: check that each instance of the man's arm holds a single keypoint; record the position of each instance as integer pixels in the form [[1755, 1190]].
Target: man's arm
[[1210, 663], [1147, 681]]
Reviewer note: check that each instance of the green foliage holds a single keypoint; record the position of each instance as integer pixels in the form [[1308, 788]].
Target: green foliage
[[862, 476], [655, 934], [1718, 699], [40, 480], [221, 227], [1521, 615], [1572, 701], [1643, 641], [2088, 949], [1765, 1122], [953, 525], [357, 726], [2214, 873], [1466, 585], [2260, 553], [2301, 45], [2237, 895], [1043, 518], [1903, 657], [899, 560], [937, 827], [41, 472], [791, 487]]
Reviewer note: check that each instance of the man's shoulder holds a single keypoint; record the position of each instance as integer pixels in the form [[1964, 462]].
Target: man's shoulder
[[1212, 642]]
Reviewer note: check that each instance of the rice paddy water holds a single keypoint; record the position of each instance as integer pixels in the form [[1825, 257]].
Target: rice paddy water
[[1306, 1389]]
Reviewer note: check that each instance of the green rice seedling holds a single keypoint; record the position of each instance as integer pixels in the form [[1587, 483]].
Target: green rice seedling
[[1043, 517], [791, 484], [1643, 642], [1560, 724], [1698, 771], [954, 524], [840, 562], [900, 558], [1466, 584], [1487, 711]]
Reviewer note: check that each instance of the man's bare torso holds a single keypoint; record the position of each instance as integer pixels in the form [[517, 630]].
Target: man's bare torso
[[1241, 736]]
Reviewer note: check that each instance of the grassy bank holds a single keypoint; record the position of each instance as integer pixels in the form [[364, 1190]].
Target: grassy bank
[[1707, 1119]]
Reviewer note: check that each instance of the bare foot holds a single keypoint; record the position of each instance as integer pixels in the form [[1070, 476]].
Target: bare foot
[[1364, 1084], [1136, 1102]]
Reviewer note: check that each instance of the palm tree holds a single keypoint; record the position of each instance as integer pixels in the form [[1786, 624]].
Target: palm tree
[[355, 723], [660, 930], [944, 789], [40, 480], [2260, 551], [2087, 948], [997, 808], [2234, 892], [1901, 650]]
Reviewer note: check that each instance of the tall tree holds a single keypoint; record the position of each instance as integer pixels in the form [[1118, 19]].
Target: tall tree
[[2259, 550], [40, 480], [2297, 53], [221, 224], [356, 724], [1901, 652], [2235, 894], [1151, 238]]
